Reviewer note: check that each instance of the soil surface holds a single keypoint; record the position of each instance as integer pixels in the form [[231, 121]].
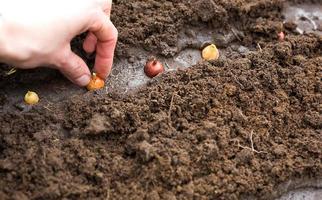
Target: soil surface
[[236, 128]]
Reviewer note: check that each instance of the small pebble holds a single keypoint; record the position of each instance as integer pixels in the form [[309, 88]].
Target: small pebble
[[131, 59], [243, 50]]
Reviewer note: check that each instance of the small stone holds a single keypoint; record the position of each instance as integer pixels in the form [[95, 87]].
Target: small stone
[[145, 151], [243, 50], [131, 59]]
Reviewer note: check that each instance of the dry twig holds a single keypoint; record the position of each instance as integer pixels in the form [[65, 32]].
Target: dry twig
[[251, 144], [236, 35], [11, 71], [259, 46], [171, 105]]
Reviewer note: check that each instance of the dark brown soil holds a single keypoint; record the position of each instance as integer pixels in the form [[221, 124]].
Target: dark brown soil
[[229, 129]]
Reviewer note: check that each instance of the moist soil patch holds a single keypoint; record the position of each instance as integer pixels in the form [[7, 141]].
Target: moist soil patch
[[229, 129]]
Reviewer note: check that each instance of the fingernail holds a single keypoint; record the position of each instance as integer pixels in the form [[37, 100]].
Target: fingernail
[[83, 80]]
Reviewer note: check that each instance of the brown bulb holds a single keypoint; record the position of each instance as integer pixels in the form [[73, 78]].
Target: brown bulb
[[153, 68]]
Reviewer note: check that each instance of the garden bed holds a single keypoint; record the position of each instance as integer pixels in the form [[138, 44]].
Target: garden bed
[[245, 126]]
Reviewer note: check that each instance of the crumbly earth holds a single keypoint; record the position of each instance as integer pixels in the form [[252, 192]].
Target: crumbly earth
[[229, 129]]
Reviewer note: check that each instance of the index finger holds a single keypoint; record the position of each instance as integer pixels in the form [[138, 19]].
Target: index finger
[[106, 42]]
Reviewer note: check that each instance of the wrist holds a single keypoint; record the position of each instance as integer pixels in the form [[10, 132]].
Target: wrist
[[2, 38]]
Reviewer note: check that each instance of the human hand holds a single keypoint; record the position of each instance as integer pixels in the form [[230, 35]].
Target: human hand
[[38, 33]]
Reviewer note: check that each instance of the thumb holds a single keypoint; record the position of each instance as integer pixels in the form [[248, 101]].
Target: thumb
[[74, 68]]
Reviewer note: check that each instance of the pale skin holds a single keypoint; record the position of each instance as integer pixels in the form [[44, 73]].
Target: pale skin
[[37, 33]]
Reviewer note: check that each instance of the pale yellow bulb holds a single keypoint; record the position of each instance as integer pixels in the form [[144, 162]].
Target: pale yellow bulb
[[210, 53], [31, 98]]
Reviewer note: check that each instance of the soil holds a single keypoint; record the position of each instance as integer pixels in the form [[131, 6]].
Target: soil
[[229, 129]]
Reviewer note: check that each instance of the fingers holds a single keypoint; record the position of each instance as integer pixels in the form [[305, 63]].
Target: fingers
[[106, 5], [74, 68], [106, 35], [90, 42]]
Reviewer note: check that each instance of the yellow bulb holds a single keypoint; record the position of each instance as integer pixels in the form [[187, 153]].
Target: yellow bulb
[[96, 83], [210, 53], [31, 98]]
